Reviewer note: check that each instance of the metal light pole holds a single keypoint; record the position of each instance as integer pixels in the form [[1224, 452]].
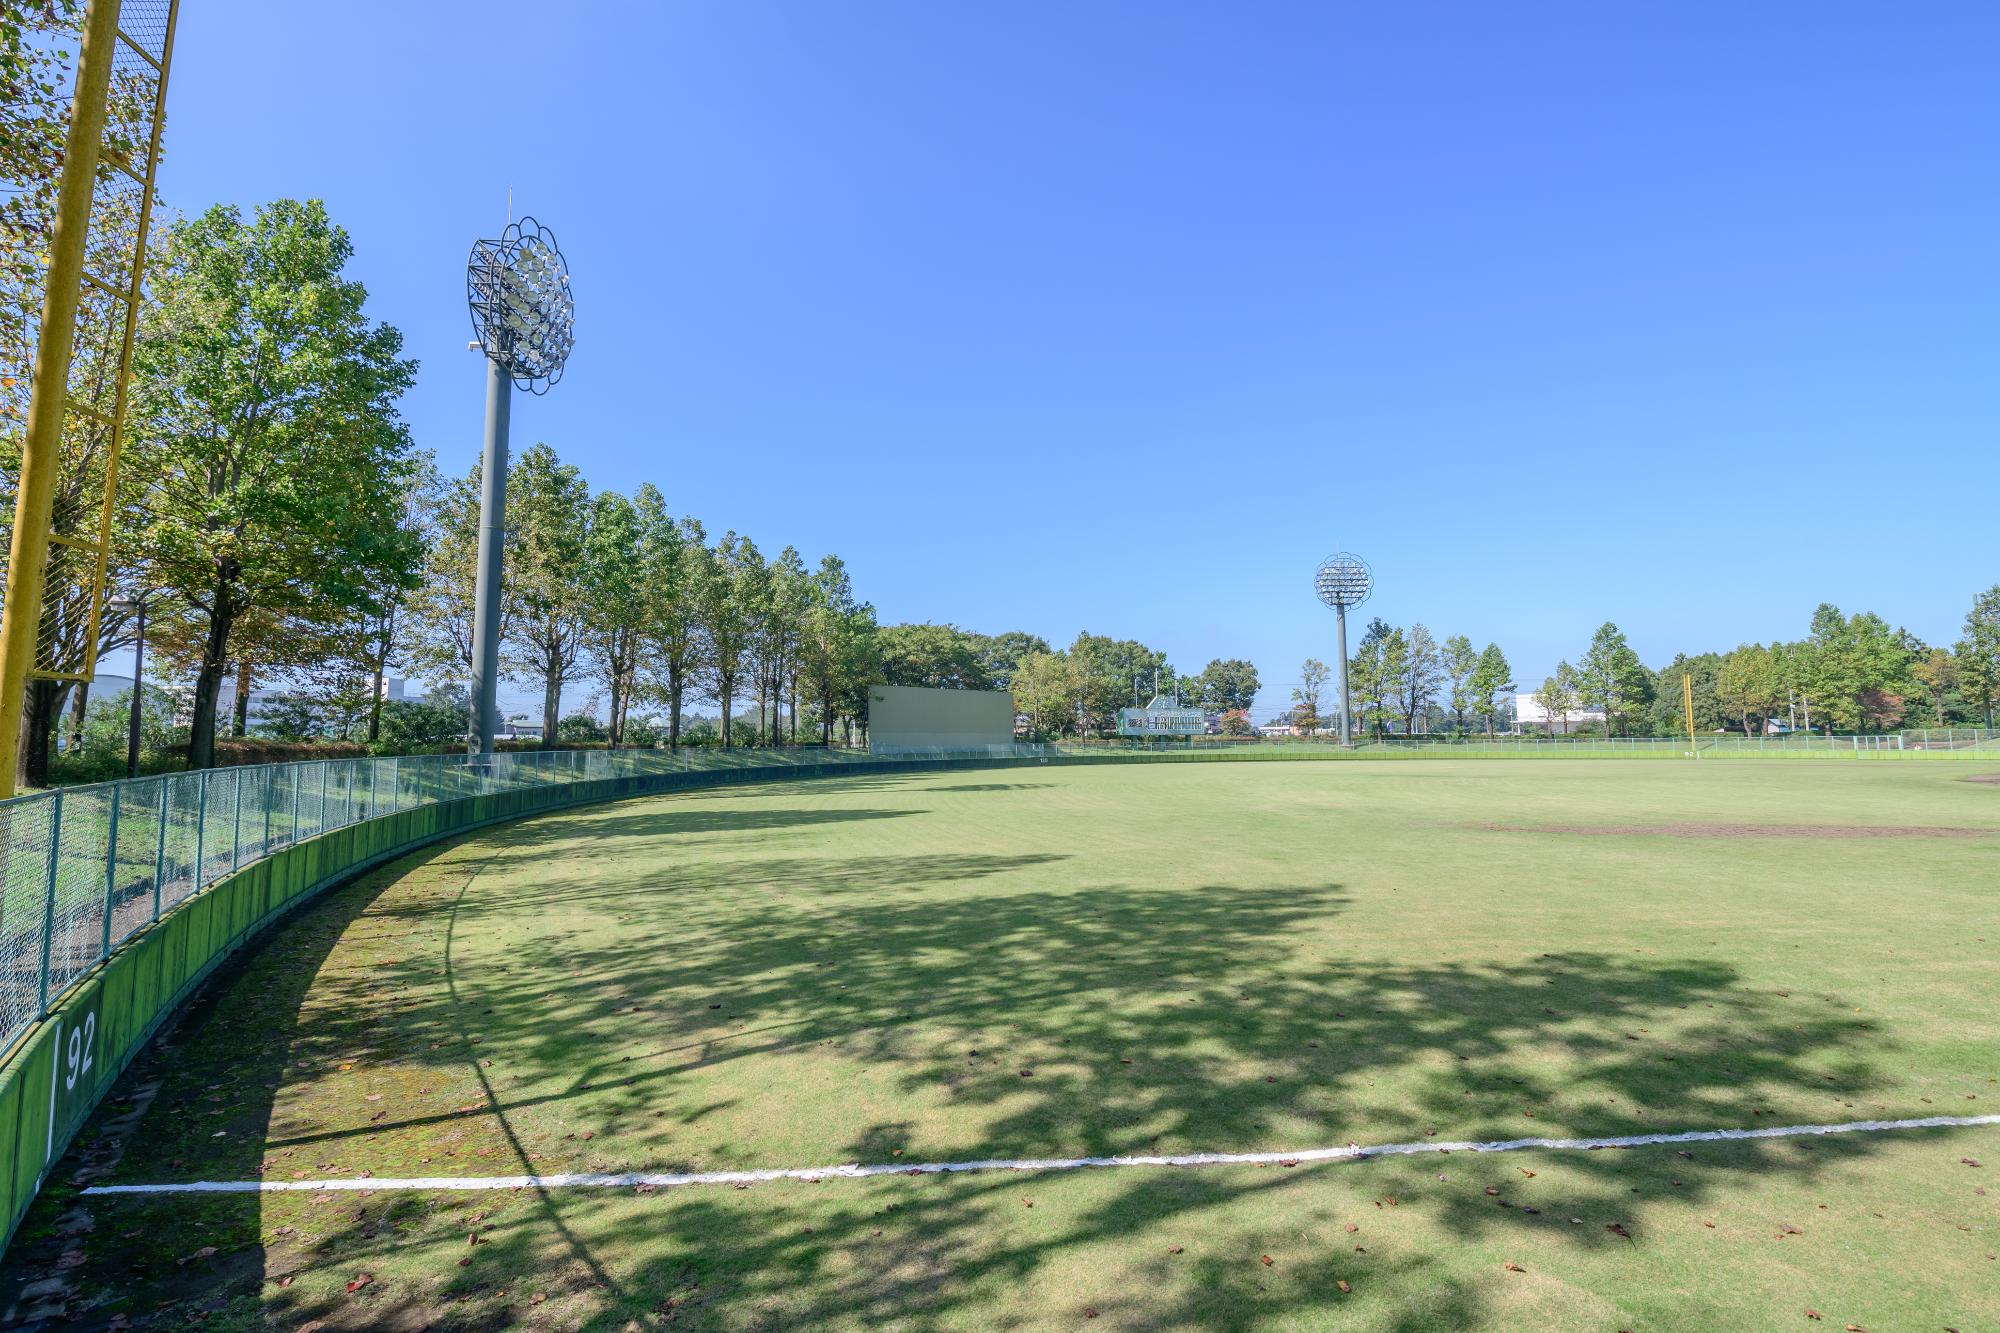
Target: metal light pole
[[517, 288], [1343, 580]]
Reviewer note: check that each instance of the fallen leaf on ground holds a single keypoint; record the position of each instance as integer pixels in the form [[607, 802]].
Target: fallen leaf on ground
[[1175, 1249], [1813, 1314], [1344, 1288], [1513, 1267], [1268, 1261], [360, 1280]]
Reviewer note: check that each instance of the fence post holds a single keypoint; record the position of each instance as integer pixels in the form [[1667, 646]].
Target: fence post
[[49, 904], [201, 830], [324, 765], [111, 868], [236, 823], [292, 835], [266, 802], [160, 850]]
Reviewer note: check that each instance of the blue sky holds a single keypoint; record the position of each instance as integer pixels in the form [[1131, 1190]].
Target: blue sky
[[1118, 316]]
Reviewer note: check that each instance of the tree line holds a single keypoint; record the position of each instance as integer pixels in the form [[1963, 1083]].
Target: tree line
[[275, 523], [1062, 692]]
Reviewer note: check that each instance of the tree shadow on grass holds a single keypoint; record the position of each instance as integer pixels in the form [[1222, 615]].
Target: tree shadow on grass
[[1145, 1019]]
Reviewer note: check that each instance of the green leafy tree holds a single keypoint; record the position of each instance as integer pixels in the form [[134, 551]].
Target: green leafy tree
[[729, 584], [1119, 668], [1418, 677], [1490, 675], [582, 727], [670, 555], [1305, 695], [615, 601], [1373, 672], [936, 657], [1559, 697], [413, 724], [1750, 685], [837, 646], [547, 569], [1858, 670], [1979, 652], [1227, 685], [1459, 662], [1666, 712], [1937, 676], [791, 599], [1054, 692], [1001, 654], [1613, 678], [267, 436]]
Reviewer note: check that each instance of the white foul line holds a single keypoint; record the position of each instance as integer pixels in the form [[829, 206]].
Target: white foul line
[[854, 1170]]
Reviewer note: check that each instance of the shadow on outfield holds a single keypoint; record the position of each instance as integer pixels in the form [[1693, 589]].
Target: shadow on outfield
[[1099, 1019]]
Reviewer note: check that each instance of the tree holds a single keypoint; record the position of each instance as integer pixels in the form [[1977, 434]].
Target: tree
[[1979, 652], [1305, 696], [267, 434], [1418, 675], [1558, 696], [1053, 691], [1857, 669], [1227, 685], [1614, 679], [935, 657], [1119, 668], [837, 644], [673, 555], [1377, 662], [1490, 676], [1001, 654], [728, 585], [1936, 672], [791, 598], [548, 544], [1459, 663], [615, 601], [1749, 685], [442, 607], [410, 724]]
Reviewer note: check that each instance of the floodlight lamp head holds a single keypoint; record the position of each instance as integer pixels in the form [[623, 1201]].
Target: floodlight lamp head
[[1343, 580], [517, 287]]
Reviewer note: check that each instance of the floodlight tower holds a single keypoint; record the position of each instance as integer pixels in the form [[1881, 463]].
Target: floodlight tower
[[1343, 580], [518, 290]]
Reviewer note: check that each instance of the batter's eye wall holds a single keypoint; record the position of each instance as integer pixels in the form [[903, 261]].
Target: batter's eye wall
[[903, 718]]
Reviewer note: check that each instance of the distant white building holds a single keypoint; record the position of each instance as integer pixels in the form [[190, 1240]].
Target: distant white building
[[1528, 712]]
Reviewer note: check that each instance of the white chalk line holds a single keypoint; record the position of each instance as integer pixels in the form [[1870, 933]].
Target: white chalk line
[[857, 1171]]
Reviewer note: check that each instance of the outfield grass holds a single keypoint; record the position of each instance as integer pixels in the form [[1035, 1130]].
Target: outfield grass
[[1094, 960]]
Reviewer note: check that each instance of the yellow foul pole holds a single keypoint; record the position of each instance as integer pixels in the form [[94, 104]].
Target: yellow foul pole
[[27, 563], [1687, 707]]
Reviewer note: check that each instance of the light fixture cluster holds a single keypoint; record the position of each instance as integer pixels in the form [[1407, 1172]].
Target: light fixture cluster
[[517, 287]]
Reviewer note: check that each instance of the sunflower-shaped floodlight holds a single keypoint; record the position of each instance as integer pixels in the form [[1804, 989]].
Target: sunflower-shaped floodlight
[[1343, 580], [517, 287]]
